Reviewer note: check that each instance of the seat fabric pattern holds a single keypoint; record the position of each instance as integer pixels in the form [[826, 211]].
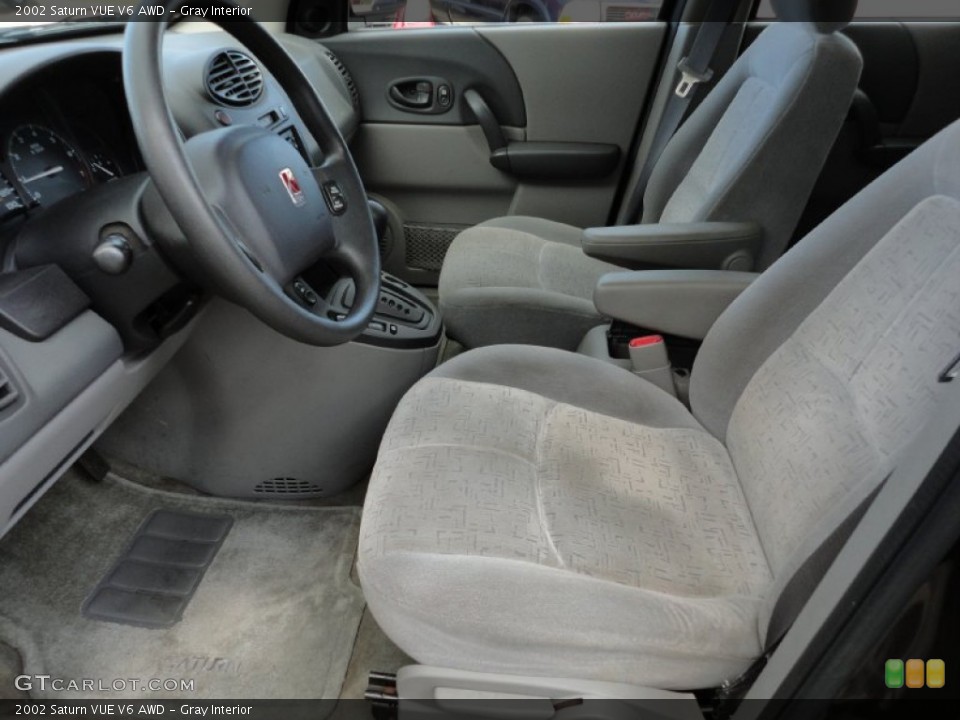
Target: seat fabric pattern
[[503, 282], [839, 400], [538, 512], [471, 472]]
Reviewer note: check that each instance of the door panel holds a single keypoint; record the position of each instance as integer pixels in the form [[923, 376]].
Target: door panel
[[547, 83]]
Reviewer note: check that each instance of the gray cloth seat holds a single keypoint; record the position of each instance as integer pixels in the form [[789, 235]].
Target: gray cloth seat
[[751, 151], [538, 512]]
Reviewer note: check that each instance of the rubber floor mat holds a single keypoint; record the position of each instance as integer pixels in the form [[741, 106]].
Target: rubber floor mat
[[160, 570]]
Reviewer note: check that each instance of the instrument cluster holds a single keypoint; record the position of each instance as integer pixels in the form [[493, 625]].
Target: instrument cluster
[[54, 138]]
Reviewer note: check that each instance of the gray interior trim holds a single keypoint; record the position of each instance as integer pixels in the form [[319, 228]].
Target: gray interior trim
[[51, 373], [572, 379], [677, 302], [815, 268], [903, 484], [460, 55], [699, 245], [219, 419], [37, 464]]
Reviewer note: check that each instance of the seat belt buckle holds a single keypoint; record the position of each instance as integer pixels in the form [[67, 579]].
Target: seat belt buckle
[[649, 360], [690, 78]]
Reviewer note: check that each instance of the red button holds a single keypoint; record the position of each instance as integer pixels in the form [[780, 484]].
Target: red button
[[646, 340]]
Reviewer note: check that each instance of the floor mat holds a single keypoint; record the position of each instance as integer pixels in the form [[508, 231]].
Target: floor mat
[[275, 615], [154, 579]]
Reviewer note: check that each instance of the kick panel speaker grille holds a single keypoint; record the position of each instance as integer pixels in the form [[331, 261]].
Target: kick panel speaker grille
[[427, 245], [234, 78], [287, 486]]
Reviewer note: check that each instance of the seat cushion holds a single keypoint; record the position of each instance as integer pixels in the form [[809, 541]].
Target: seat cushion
[[519, 279], [518, 521]]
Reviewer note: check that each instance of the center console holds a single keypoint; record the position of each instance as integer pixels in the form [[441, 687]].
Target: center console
[[243, 411], [404, 318]]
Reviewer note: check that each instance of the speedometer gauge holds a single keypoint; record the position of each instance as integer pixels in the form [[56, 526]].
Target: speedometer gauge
[[47, 166]]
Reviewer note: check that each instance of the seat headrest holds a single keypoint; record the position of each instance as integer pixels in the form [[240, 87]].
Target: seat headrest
[[827, 16]]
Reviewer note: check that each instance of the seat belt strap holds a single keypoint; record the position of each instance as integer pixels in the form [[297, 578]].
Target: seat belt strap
[[694, 70]]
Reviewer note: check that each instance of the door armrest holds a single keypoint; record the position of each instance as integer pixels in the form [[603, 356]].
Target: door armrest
[[685, 303], [706, 245]]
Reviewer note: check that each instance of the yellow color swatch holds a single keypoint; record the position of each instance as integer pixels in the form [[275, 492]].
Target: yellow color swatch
[[915, 673], [936, 673]]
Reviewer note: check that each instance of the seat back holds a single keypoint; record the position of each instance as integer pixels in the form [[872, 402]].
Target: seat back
[[756, 145], [820, 374]]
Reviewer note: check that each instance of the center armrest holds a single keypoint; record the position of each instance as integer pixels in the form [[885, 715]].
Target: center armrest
[[707, 245], [685, 303]]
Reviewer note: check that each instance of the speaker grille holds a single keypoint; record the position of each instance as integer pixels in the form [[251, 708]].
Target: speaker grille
[[347, 78], [427, 245], [234, 78], [287, 486]]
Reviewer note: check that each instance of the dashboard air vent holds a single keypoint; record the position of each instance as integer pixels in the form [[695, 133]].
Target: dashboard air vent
[[234, 78], [347, 78]]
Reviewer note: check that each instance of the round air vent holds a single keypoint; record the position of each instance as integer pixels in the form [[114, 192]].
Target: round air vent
[[234, 78]]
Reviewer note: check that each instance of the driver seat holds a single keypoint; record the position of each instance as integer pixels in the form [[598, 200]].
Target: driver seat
[[537, 512]]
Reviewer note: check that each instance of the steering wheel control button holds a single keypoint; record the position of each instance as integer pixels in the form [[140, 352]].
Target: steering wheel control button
[[113, 255], [334, 197], [305, 293]]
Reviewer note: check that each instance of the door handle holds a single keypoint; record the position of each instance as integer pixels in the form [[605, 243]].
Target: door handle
[[424, 94], [487, 120], [413, 94]]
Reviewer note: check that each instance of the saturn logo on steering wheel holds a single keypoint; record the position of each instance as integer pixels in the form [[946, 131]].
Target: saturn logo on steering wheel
[[292, 185]]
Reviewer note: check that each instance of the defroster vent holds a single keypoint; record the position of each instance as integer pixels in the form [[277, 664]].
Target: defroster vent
[[234, 78]]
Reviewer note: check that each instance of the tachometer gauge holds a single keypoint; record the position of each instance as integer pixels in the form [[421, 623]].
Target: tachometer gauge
[[104, 167], [47, 166]]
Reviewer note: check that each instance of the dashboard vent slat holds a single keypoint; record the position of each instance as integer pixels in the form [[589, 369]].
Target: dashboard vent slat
[[234, 78]]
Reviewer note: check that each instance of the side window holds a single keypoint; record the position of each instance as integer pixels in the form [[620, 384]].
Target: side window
[[890, 10], [439, 13]]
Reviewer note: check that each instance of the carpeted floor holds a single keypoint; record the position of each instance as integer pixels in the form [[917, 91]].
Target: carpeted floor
[[373, 652], [275, 616]]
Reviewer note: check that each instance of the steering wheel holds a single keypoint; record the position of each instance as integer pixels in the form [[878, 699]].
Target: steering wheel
[[254, 214]]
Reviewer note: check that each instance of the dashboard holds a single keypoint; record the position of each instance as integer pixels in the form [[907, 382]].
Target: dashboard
[[80, 336], [63, 133], [65, 128]]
